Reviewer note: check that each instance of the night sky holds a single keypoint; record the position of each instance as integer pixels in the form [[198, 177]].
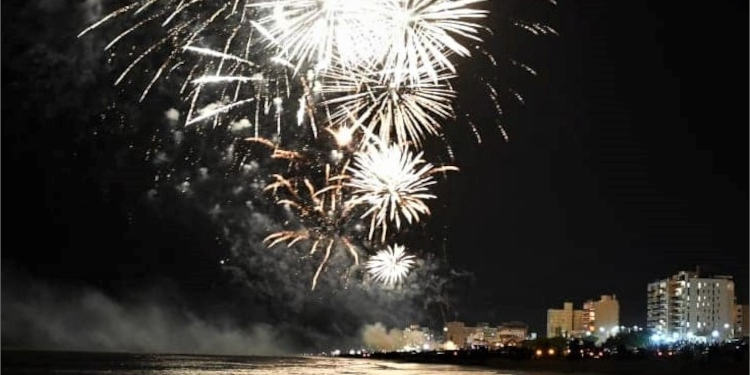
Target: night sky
[[627, 163]]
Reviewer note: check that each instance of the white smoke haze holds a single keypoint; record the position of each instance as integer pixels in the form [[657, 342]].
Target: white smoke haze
[[50, 318], [377, 337], [238, 126]]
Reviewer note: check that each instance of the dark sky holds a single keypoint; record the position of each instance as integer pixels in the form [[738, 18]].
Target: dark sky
[[627, 163]]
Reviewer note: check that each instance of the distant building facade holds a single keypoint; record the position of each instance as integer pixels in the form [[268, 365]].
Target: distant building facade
[[687, 305], [741, 320], [560, 321], [602, 316], [457, 333], [485, 335], [512, 332], [598, 317], [416, 337]]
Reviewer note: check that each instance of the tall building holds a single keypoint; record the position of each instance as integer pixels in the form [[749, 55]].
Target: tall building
[[457, 333], [602, 317], [560, 321], [579, 323], [741, 321], [598, 317], [687, 305]]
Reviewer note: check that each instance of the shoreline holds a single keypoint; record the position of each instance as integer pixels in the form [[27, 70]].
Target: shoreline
[[614, 366]]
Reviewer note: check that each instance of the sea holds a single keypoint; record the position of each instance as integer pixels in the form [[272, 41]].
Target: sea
[[66, 363]]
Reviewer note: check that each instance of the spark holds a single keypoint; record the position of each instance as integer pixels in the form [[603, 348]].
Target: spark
[[536, 28], [390, 266], [215, 110], [221, 79], [343, 135], [393, 184], [212, 53]]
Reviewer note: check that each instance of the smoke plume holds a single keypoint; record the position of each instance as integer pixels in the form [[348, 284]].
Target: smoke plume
[[53, 318]]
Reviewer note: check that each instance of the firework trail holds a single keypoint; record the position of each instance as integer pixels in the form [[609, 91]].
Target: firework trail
[[324, 219], [354, 86]]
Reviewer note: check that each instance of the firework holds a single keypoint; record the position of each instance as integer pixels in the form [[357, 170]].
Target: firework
[[322, 32], [404, 113], [423, 35], [390, 266], [385, 60], [392, 183], [407, 40], [322, 214], [234, 73], [376, 75]]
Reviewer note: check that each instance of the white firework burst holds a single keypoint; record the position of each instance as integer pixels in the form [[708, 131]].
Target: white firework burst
[[321, 31], [393, 183], [404, 38], [390, 266], [423, 34], [405, 113]]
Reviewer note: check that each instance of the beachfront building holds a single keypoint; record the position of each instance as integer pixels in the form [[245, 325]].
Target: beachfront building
[[512, 333], [689, 306], [416, 337], [456, 333], [484, 335], [741, 321], [563, 322], [602, 316]]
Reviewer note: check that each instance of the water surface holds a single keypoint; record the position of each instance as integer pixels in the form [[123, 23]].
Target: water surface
[[63, 363]]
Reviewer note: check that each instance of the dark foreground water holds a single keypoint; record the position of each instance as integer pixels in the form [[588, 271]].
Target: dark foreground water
[[65, 363]]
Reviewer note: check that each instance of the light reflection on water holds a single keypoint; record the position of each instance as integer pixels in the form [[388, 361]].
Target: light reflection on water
[[151, 364], [320, 366]]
